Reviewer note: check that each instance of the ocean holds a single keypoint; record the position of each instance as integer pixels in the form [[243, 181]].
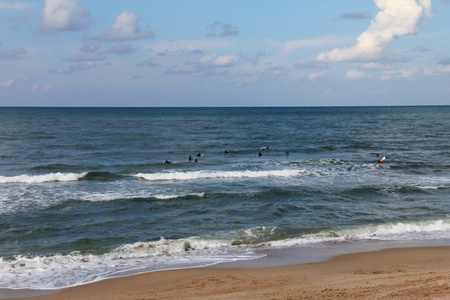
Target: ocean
[[88, 194]]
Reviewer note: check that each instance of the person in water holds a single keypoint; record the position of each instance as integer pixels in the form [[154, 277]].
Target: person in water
[[226, 152], [190, 157], [259, 154], [382, 160], [287, 153], [196, 160], [169, 163], [199, 154]]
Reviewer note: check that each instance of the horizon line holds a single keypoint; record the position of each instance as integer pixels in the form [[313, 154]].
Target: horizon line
[[268, 106]]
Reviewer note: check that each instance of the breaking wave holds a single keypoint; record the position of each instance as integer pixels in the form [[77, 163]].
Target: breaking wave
[[51, 177], [217, 175], [66, 270]]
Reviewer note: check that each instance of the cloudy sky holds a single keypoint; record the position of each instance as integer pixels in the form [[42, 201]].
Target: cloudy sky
[[224, 52]]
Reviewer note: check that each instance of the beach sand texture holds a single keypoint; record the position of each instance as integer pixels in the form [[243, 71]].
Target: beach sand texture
[[407, 273]]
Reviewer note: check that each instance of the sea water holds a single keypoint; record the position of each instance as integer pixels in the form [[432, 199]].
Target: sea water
[[86, 193]]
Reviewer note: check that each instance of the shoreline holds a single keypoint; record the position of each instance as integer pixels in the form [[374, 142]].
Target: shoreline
[[394, 272]]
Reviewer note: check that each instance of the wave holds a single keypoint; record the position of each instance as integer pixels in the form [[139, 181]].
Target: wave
[[317, 167], [421, 230], [176, 196], [75, 268], [67, 270], [161, 176], [51, 177], [60, 177], [217, 175]]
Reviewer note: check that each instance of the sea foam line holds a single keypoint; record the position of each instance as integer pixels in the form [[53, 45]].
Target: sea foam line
[[421, 230], [51, 177], [217, 175], [75, 268], [174, 196]]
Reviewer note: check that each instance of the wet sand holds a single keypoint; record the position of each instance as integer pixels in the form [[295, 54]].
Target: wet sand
[[405, 273]]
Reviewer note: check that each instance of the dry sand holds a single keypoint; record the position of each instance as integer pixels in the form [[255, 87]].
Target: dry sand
[[410, 273]]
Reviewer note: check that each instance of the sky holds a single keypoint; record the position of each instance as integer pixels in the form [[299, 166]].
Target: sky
[[224, 53]]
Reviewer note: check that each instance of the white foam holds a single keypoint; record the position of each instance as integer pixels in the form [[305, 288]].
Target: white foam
[[217, 175], [167, 197], [61, 271], [435, 229], [51, 177]]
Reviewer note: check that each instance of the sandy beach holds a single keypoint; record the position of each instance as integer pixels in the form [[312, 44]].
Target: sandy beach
[[406, 273]]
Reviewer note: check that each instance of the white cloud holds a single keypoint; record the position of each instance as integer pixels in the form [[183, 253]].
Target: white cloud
[[396, 18], [126, 28], [77, 67], [404, 73], [6, 83], [219, 61], [64, 15], [316, 75], [441, 70], [227, 29], [375, 66], [191, 45], [291, 46], [356, 75], [37, 88], [206, 63]]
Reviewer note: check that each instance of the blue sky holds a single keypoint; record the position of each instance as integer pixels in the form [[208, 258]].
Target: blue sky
[[224, 53]]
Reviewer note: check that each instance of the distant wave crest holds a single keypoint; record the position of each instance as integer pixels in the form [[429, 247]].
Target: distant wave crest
[[51, 177], [217, 175]]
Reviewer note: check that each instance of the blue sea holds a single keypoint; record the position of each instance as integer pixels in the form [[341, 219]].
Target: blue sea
[[86, 194]]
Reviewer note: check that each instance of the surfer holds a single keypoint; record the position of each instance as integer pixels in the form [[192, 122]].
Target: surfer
[[190, 157], [382, 160], [226, 152], [169, 163], [199, 154], [265, 148], [287, 153], [259, 153], [196, 160]]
